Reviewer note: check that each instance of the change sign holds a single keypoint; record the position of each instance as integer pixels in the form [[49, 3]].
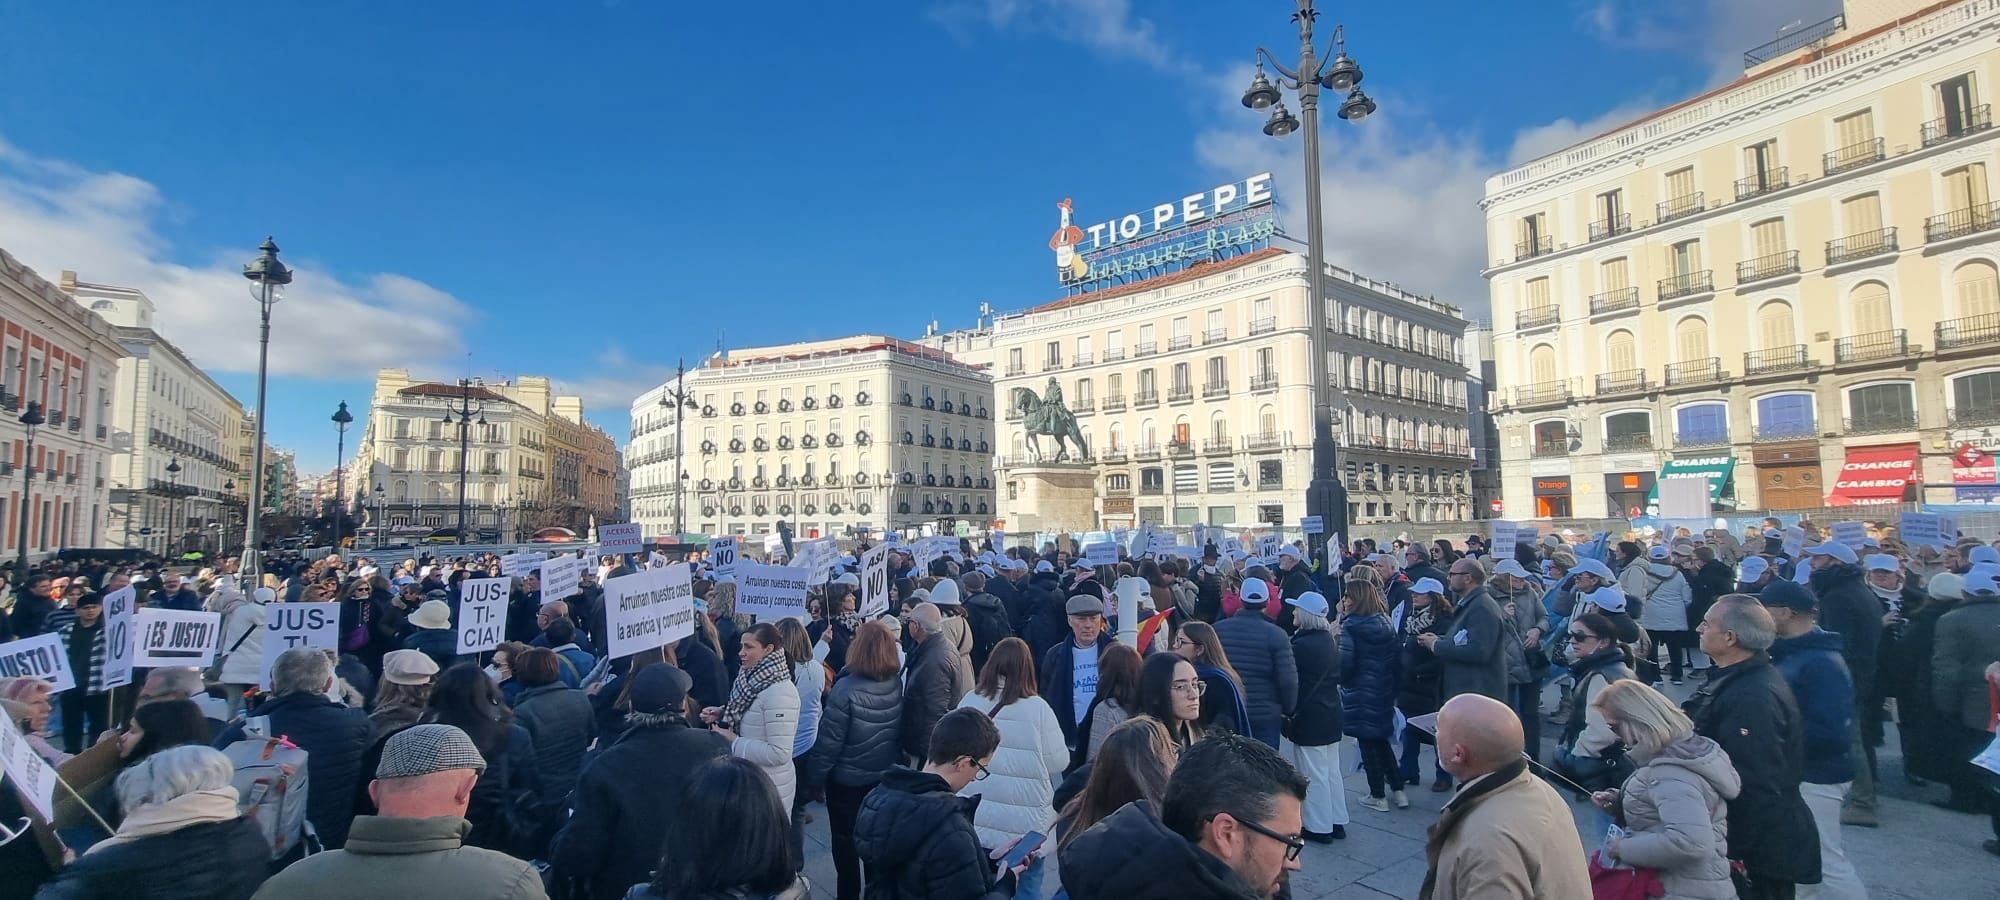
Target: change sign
[[649, 609], [874, 581], [771, 592], [560, 576], [118, 644], [41, 657], [174, 637], [482, 613], [289, 625]]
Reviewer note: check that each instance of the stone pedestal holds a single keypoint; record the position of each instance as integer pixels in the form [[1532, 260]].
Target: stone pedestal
[[1049, 497]]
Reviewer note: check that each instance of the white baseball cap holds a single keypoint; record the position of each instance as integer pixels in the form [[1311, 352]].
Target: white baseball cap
[[1256, 592], [1751, 569], [1835, 549], [1607, 598], [1311, 601], [1882, 562], [1510, 566]]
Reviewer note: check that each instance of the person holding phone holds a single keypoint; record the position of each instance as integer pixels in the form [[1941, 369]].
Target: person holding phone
[[914, 831]]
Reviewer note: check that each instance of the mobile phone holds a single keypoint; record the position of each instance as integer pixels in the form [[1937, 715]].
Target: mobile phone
[[1028, 844]]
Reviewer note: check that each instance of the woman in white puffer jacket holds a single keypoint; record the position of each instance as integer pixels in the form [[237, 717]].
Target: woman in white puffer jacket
[[1665, 614], [242, 641], [1017, 791], [761, 719]]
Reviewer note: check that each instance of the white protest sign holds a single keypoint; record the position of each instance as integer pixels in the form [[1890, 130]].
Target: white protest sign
[[816, 558], [1313, 525], [771, 592], [1139, 541], [174, 637], [625, 538], [32, 776], [1200, 535], [722, 558], [649, 609], [1267, 546], [1162, 545], [41, 656], [1926, 529], [1231, 545], [1504, 538], [1948, 528], [874, 581], [482, 614], [1853, 534], [289, 625], [1795, 542], [119, 606], [1101, 553], [560, 576], [517, 565]]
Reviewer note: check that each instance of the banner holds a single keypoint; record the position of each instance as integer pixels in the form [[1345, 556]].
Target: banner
[[1853, 534], [41, 656], [649, 609], [626, 538], [288, 625], [119, 606], [722, 558], [1922, 529], [482, 613], [1504, 538], [560, 576], [874, 581], [174, 637], [771, 592], [30, 774], [1101, 553], [519, 565], [1313, 525]]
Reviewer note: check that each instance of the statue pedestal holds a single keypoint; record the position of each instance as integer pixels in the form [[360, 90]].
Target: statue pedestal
[[1049, 497]]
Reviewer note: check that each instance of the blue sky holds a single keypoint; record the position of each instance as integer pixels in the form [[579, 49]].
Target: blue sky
[[588, 190]]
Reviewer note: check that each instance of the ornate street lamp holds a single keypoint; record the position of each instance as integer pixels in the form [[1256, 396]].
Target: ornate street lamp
[[31, 419], [174, 523], [341, 419], [267, 276]]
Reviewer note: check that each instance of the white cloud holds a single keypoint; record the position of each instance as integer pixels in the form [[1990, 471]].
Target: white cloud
[[1107, 26], [614, 382], [106, 227], [1712, 33], [1541, 140]]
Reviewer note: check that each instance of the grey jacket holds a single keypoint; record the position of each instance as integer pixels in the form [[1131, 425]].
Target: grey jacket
[[390, 857], [1262, 656], [1676, 813], [1968, 638], [859, 732], [1472, 658]]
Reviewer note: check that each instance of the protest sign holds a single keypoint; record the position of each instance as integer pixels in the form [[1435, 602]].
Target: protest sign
[[1313, 525], [31, 775], [41, 656], [560, 576], [1795, 542], [1267, 546], [722, 558], [119, 606], [649, 609], [1162, 546], [1231, 545], [998, 540], [770, 592], [1504, 538], [626, 538], [1526, 536], [874, 581], [519, 565], [1853, 534], [816, 557], [175, 637], [1948, 527], [1101, 553], [1922, 529], [289, 625], [482, 614]]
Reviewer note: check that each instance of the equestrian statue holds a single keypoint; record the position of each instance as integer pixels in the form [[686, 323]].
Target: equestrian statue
[[1046, 415]]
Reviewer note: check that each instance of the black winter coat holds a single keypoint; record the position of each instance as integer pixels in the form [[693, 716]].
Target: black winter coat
[[1048, 620], [624, 800], [1749, 710], [860, 731], [334, 738], [1316, 722], [1012, 598], [938, 679], [1296, 583], [1469, 649], [1262, 656], [1369, 650], [1848, 607], [440, 644], [210, 861], [562, 724], [1712, 580], [1418, 672], [916, 837], [1056, 680], [1132, 855], [509, 780], [699, 661], [987, 617], [521, 609]]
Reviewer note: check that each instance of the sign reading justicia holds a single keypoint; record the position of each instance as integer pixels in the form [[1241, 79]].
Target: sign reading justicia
[[1201, 227]]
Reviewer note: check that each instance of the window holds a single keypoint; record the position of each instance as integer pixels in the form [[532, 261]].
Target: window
[[1181, 432], [1267, 366], [1610, 207], [1114, 386], [1774, 325], [1965, 188], [1180, 372], [1958, 101], [1615, 274], [1881, 404], [1870, 306], [1187, 479], [1680, 188], [1691, 339], [1551, 435], [1542, 364], [1114, 345], [1014, 364], [1702, 423], [1053, 359], [1760, 166], [1083, 395], [1180, 330], [1978, 289], [1768, 238], [1533, 229], [1684, 258], [1862, 214], [1119, 482], [1267, 421], [1976, 398], [1621, 353], [1221, 478], [1218, 429], [1117, 436], [1538, 294], [1146, 337], [1628, 431], [1215, 323], [1148, 383], [1260, 309], [1855, 135], [1083, 349], [1152, 479], [1218, 371]]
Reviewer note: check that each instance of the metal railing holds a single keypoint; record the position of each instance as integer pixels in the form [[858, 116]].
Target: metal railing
[[1687, 285], [1764, 182], [1542, 392], [1551, 448], [1265, 441], [1614, 301], [1853, 156], [1215, 336], [1216, 445], [1538, 317], [1083, 359], [1796, 39], [1146, 398], [1180, 342], [1951, 128], [1145, 348], [1883, 422], [1775, 359], [1961, 222], [1533, 247], [1769, 266], [1679, 207], [1890, 344], [1264, 326], [1624, 381], [1213, 390], [1267, 381], [1973, 418], [1861, 246], [1114, 354], [1699, 371], [1615, 443], [1610, 227], [1180, 393], [1971, 331], [1688, 440], [1114, 403], [1786, 431]]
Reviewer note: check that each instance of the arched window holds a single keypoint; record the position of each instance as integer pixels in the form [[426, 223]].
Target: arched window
[[1218, 429], [1869, 302], [1629, 430], [1267, 420], [1783, 417], [1976, 399], [1117, 436], [1542, 364], [1978, 289], [1691, 339], [1876, 408], [1774, 326], [1701, 424], [1149, 437], [1621, 354]]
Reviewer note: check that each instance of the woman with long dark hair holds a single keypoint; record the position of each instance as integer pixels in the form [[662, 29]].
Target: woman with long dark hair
[[761, 719], [748, 859], [1222, 700], [1170, 692], [505, 806], [1132, 763], [1017, 795]]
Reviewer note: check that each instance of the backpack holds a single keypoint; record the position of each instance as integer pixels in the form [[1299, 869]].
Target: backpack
[[270, 786]]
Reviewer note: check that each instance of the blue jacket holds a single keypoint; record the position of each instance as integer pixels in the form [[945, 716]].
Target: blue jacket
[[1262, 656], [1368, 653], [1814, 670]]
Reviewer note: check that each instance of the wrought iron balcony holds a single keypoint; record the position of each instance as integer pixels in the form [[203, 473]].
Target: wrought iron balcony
[[1266, 381], [1214, 389], [1215, 336], [1616, 443], [1883, 422], [1145, 348], [1689, 440], [1679, 208], [1674, 287], [1216, 445], [1264, 326], [1114, 354], [1861, 246], [1764, 182], [1180, 393], [1961, 222], [1971, 331], [1951, 128], [1551, 448], [1974, 418], [1266, 441], [1698, 371], [1625, 381], [1793, 40], [1537, 317], [1114, 403], [1180, 342], [1776, 359], [1610, 227], [1620, 300], [1891, 344], [1533, 247], [1143, 399], [1853, 156], [1177, 447], [1784, 262], [1542, 393]]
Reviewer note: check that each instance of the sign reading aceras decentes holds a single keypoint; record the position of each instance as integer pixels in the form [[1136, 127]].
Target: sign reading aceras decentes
[[482, 613]]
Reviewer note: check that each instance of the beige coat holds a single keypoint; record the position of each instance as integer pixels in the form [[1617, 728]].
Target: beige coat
[[1506, 835]]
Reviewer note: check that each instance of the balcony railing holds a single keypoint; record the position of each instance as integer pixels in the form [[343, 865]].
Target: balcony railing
[[1621, 382], [1267, 381], [1795, 39], [1551, 448], [1543, 392], [1698, 371], [1538, 317], [1971, 331], [1610, 227], [1687, 285], [1214, 336], [1145, 348], [1152, 489], [1883, 422], [1114, 403], [1082, 359], [1052, 365], [1786, 431], [1853, 156], [1533, 247], [1679, 207], [1615, 443], [1775, 359], [1764, 182], [1180, 393], [1265, 441], [1146, 398], [1961, 222], [1180, 342], [1951, 128], [1688, 440], [1114, 354], [1890, 344], [1216, 445], [1180, 448], [1215, 389], [1016, 369], [1614, 301], [1974, 418], [1861, 246], [1771, 266], [1264, 326]]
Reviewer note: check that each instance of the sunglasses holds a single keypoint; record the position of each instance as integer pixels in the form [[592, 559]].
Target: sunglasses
[[1578, 637]]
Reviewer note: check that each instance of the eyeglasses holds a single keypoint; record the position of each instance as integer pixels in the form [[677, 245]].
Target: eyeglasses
[[1184, 642], [983, 771], [1292, 844], [1196, 688]]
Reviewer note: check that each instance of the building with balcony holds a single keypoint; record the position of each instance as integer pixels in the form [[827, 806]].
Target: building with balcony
[[1847, 177], [165, 413], [859, 433], [1192, 391]]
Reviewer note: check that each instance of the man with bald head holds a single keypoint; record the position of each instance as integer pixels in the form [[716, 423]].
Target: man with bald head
[[935, 677], [1505, 833]]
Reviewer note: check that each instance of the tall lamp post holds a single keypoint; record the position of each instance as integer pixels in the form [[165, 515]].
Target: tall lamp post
[[31, 418], [341, 419], [228, 495], [267, 275], [1326, 497], [380, 519], [680, 400], [465, 412], [174, 522]]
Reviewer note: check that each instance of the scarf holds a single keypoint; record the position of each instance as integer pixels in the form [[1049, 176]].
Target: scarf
[[850, 621], [767, 672], [1418, 619], [154, 819]]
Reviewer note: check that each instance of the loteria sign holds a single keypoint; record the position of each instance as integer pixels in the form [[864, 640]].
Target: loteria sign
[[1195, 228]]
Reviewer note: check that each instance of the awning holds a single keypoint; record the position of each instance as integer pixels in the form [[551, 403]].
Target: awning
[[1874, 475], [1719, 470]]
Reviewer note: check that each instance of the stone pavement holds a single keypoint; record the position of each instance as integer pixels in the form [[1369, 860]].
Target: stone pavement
[[1920, 852]]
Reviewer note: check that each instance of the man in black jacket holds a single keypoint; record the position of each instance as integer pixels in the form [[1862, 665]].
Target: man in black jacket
[[1417, 564], [1748, 709], [938, 677], [1470, 657], [1297, 576], [1045, 609], [627, 793], [1262, 657], [1068, 673], [915, 832], [334, 737]]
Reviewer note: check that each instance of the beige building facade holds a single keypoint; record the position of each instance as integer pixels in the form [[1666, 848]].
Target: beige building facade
[[1786, 286]]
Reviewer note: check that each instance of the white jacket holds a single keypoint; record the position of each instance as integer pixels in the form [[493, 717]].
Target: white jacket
[[1019, 795], [246, 664], [1666, 607], [765, 737]]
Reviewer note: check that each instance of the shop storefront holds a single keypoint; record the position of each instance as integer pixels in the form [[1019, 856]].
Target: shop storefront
[[1552, 497], [1974, 476], [1874, 475], [1625, 493], [1720, 472], [1788, 475]]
